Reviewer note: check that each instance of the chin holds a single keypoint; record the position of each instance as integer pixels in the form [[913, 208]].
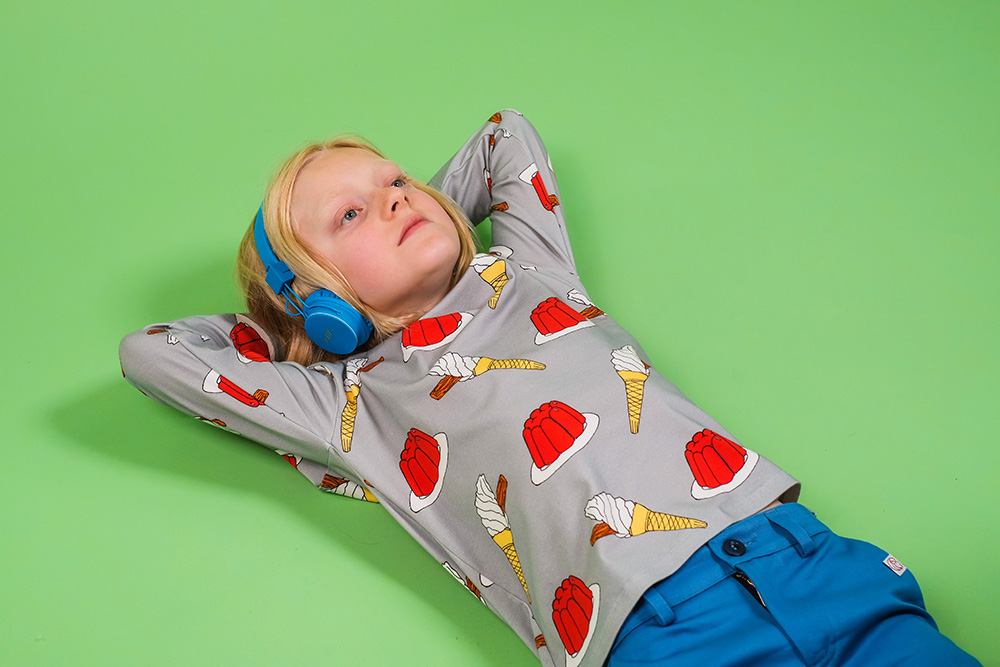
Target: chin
[[439, 252]]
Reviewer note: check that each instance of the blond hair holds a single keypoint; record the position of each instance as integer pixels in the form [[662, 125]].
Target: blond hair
[[314, 271]]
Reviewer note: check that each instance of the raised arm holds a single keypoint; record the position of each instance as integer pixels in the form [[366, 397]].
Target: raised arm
[[503, 172], [218, 369]]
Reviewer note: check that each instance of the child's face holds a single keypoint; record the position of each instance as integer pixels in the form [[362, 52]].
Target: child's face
[[394, 243]]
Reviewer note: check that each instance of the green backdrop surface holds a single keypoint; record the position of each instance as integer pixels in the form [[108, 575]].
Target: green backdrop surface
[[793, 205]]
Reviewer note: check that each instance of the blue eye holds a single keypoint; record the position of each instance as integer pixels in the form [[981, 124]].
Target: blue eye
[[398, 183], [349, 215]]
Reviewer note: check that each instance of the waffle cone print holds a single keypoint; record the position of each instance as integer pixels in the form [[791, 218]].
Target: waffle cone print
[[626, 518], [574, 612], [348, 415], [717, 463], [490, 507], [553, 433]]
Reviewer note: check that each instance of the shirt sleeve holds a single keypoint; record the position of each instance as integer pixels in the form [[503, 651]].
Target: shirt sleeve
[[219, 369], [503, 172]]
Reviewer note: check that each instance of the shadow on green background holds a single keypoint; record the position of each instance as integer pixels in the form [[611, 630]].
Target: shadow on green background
[[792, 206], [220, 463]]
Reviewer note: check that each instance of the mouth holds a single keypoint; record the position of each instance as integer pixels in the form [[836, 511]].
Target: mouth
[[412, 224]]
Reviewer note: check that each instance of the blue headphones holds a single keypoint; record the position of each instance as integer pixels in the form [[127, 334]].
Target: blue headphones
[[332, 323]]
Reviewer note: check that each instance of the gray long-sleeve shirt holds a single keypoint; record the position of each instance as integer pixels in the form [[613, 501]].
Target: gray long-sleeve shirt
[[516, 431]]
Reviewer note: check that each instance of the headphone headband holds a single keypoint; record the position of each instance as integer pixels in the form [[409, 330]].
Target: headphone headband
[[330, 322], [279, 276]]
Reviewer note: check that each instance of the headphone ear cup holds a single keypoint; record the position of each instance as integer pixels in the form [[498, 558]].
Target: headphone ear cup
[[333, 324]]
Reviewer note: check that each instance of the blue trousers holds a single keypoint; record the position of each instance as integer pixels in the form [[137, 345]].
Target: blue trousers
[[780, 588]]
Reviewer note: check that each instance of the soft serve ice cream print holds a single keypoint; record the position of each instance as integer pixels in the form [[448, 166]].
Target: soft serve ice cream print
[[627, 518], [490, 507], [634, 372], [454, 368]]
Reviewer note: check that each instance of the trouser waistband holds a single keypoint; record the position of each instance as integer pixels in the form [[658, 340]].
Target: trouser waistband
[[758, 535]]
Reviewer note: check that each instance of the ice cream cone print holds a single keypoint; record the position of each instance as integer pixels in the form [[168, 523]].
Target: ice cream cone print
[[352, 388], [626, 518], [634, 373], [345, 487], [494, 519], [495, 273], [455, 368]]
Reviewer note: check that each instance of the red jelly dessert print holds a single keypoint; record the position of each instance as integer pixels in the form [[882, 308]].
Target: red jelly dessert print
[[572, 608], [419, 462], [249, 343], [431, 331], [714, 460], [552, 315], [551, 430]]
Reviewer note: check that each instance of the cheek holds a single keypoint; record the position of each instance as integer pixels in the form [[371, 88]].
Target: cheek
[[364, 269], [450, 230], [356, 259]]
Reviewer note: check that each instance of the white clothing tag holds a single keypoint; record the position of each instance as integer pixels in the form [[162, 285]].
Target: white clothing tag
[[894, 565]]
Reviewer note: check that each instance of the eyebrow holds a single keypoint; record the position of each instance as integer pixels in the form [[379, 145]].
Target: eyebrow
[[384, 167]]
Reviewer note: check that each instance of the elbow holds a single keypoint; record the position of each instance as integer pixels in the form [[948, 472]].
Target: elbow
[[137, 355], [512, 118]]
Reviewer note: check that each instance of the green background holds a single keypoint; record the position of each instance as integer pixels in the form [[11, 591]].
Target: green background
[[793, 205]]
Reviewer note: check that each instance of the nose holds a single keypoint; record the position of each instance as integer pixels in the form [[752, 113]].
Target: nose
[[395, 200]]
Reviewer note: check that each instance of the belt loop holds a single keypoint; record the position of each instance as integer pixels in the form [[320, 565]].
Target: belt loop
[[664, 613], [800, 537]]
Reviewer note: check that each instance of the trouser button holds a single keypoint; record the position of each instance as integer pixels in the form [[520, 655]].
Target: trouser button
[[734, 547]]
